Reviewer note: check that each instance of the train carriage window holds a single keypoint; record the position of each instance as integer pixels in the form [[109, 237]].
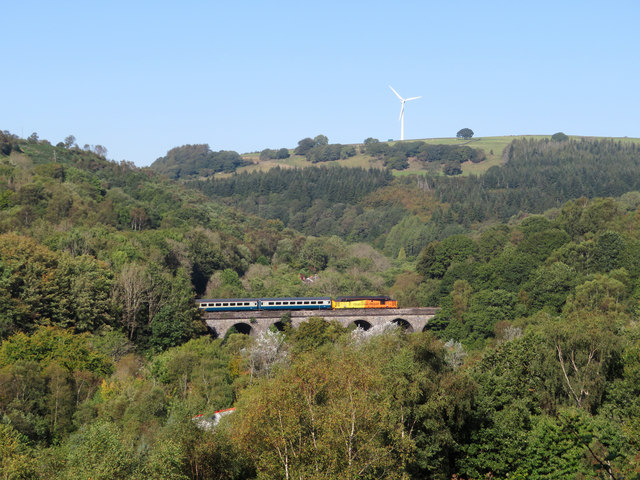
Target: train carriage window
[[278, 303], [225, 304], [306, 302]]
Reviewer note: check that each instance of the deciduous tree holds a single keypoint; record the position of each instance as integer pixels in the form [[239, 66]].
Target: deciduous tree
[[465, 133]]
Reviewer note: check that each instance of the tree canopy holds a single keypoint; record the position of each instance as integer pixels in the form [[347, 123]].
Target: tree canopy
[[465, 133]]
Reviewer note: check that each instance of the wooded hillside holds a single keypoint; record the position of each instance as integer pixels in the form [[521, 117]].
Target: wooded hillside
[[529, 370]]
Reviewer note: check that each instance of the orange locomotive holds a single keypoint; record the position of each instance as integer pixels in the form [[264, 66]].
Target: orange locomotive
[[364, 302]]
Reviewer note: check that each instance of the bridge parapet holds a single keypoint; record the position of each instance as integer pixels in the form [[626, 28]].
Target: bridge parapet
[[257, 322]]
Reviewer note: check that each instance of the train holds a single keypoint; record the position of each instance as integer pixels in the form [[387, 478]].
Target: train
[[295, 303]]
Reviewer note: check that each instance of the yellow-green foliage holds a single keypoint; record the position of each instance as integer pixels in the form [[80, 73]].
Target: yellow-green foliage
[[50, 344]]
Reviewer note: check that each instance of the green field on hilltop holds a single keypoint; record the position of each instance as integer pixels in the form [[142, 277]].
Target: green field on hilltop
[[300, 161], [492, 147]]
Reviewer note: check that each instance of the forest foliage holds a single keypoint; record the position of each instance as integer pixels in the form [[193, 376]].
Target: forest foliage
[[197, 161], [530, 369]]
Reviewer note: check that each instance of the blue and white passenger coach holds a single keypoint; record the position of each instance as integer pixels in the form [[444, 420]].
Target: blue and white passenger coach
[[228, 304], [302, 303]]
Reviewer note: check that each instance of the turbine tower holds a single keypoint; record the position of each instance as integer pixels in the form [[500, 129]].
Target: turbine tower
[[403, 100]]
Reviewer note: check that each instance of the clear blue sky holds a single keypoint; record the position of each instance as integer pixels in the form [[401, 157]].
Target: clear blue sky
[[141, 77]]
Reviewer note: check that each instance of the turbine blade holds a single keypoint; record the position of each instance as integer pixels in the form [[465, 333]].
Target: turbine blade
[[401, 111], [413, 98], [397, 94]]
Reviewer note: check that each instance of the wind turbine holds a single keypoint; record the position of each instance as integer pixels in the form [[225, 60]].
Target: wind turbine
[[403, 100]]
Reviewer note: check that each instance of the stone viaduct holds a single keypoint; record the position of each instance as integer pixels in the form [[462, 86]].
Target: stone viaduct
[[258, 321]]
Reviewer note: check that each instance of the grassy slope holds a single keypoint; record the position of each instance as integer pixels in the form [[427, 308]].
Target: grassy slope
[[492, 146]]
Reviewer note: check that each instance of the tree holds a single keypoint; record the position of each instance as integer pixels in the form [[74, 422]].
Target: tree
[[549, 286], [85, 284], [314, 333], [586, 349], [130, 291], [283, 153], [266, 353], [69, 141], [436, 257], [304, 146], [8, 142], [15, 458], [328, 416], [465, 133], [398, 163], [50, 344], [100, 150], [139, 218], [60, 400], [559, 137], [100, 451], [314, 254], [452, 169], [29, 292], [321, 140]]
